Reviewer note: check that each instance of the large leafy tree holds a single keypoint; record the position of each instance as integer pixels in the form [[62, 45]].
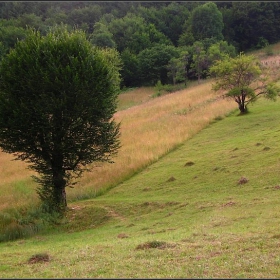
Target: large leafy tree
[[207, 22], [243, 80], [200, 59], [170, 20], [248, 24], [57, 99], [130, 72], [219, 50], [10, 33], [133, 33], [101, 36], [153, 63]]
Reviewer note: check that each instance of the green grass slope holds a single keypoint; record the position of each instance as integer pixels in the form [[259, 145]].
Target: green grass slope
[[209, 209]]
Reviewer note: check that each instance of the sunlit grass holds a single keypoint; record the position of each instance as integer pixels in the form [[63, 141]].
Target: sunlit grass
[[201, 224]]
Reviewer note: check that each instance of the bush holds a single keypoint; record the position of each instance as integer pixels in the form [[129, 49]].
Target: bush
[[23, 223]]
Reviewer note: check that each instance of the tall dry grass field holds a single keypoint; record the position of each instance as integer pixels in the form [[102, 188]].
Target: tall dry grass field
[[148, 131], [16, 186], [152, 129]]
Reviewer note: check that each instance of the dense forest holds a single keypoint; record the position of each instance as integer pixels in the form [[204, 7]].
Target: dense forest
[[158, 42]]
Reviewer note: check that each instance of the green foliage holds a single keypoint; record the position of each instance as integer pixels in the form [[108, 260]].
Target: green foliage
[[174, 66], [269, 51], [207, 22], [241, 77], [200, 59], [58, 95], [84, 16], [101, 36], [26, 222], [159, 87], [130, 71], [134, 33], [167, 88], [10, 34], [220, 50], [262, 43], [153, 63], [251, 25], [31, 20]]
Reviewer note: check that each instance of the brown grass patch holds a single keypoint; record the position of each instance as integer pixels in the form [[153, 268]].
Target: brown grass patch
[[171, 179], [39, 258], [242, 181], [154, 245], [230, 203], [122, 235]]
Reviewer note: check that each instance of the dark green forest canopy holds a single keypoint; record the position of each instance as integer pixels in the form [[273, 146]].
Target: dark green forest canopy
[[134, 27]]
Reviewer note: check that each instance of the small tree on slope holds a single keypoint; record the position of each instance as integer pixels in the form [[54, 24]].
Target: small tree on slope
[[243, 79], [57, 99]]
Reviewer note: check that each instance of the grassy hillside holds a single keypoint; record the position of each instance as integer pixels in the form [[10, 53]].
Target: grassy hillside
[[148, 131], [192, 194], [209, 208]]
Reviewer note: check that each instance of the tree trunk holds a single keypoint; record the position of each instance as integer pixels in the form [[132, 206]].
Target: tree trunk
[[58, 173], [59, 193], [241, 104]]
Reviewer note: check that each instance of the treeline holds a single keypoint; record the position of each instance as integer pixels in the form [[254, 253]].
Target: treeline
[[158, 42]]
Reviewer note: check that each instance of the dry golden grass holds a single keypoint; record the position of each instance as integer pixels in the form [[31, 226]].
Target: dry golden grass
[[16, 184], [148, 131], [151, 129]]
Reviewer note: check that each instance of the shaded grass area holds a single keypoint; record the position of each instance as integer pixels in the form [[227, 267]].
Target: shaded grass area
[[185, 216]]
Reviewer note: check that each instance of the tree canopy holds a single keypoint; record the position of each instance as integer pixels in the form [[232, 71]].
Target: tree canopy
[[58, 95], [243, 80], [132, 27], [207, 22]]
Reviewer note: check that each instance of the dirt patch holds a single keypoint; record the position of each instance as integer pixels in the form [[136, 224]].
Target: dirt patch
[[39, 258], [123, 235], [171, 179], [230, 203], [242, 181], [154, 245], [189, 163]]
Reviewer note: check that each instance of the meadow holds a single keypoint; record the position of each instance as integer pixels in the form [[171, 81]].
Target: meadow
[[149, 130], [193, 193]]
